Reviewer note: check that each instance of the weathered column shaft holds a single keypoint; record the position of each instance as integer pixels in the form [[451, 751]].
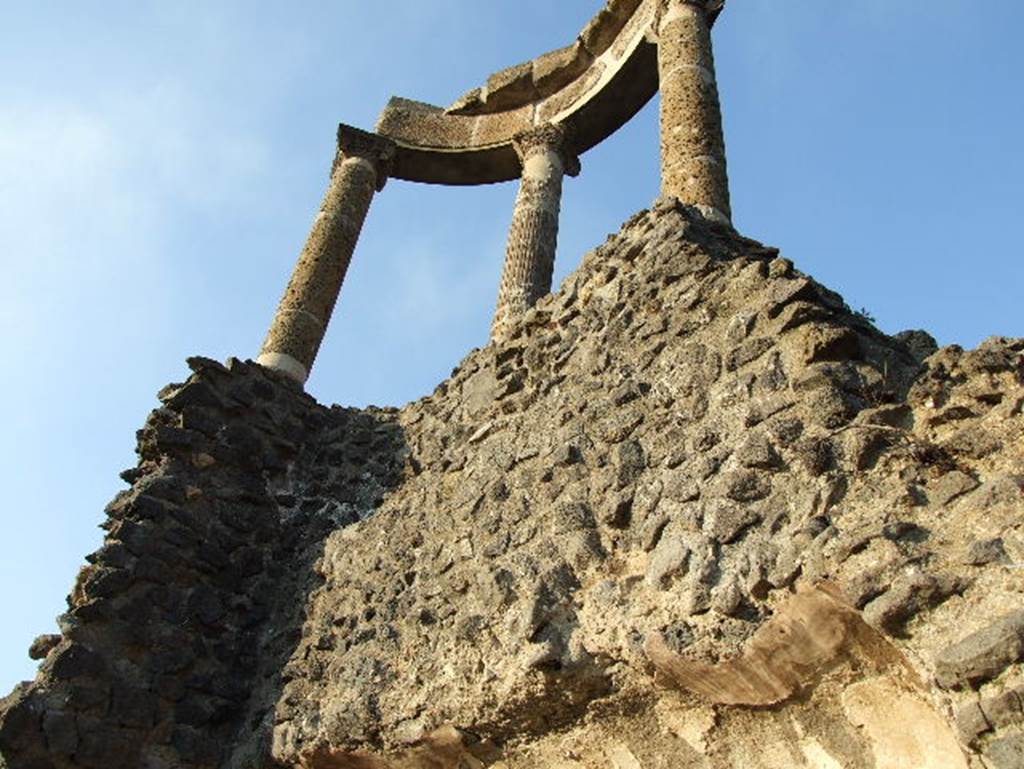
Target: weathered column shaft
[[533, 237], [692, 144], [360, 169]]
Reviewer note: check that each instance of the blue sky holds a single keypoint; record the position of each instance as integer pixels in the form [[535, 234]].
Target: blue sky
[[160, 164]]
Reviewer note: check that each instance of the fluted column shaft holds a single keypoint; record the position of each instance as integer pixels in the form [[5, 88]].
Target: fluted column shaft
[[693, 165], [546, 157], [361, 168]]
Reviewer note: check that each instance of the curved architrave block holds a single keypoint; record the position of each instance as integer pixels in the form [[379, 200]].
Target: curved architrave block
[[593, 87]]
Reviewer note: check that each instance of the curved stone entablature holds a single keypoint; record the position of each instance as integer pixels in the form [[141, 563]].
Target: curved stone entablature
[[593, 87], [561, 105]]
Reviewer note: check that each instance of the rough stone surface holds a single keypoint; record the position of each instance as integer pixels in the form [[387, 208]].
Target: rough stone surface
[[1006, 752], [983, 654], [179, 626], [691, 511]]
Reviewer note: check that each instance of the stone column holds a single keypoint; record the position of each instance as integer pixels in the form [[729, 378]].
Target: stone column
[[692, 145], [546, 156], [361, 168]]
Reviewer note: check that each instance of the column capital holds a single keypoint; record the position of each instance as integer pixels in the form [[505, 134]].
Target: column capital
[[378, 150], [711, 8], [549, 136]]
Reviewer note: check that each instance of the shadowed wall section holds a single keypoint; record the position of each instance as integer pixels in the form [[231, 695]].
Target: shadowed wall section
[[173, 648]]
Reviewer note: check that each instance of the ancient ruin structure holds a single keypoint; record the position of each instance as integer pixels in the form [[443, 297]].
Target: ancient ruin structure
[[692, 144], [688, 512], [529, 122], [546, 155], [360, 168]]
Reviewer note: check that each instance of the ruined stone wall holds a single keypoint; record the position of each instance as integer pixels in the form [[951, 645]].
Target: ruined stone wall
[[178, 628], [692, 511], [689, 453]]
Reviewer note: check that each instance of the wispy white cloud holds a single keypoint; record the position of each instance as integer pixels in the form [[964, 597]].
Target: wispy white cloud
[[91, 188]]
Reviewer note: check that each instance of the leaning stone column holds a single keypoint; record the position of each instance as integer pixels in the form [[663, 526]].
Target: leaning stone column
[[692, 144], [361, 168], [546, 156]]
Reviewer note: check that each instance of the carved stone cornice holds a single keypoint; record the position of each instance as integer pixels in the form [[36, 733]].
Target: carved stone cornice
[[378, 150], [549, 136]]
